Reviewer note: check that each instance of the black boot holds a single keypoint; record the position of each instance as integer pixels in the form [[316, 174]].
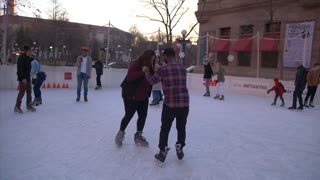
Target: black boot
[[311, 104], [306, 104], [161, 156], [179, 150]]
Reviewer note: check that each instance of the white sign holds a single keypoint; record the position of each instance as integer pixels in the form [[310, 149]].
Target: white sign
[[298, 44]]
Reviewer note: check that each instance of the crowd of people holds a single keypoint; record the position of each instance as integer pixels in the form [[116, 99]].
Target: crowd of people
[[148, 74]]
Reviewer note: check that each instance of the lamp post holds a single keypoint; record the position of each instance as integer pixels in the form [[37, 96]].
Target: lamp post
[[130, 55], [182, 44]]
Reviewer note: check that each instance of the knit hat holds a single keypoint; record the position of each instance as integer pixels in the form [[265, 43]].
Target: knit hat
[[276, 79]]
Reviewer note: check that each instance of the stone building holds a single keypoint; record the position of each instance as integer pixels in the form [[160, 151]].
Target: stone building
[[261, 35], [61, 40]]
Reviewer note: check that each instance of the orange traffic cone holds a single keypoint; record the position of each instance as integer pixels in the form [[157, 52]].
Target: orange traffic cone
[[43, 86], [54, 85], [48, 86], [63, 85], [18, 87], [67, 85], [58, 86]]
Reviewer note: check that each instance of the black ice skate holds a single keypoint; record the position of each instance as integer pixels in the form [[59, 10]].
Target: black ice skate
[[18, 110], [311, 104], [85, 99], [216, 97], [78, 99], [31, 109], [221, 98], [119, 137], [179, 151], [161, 156]]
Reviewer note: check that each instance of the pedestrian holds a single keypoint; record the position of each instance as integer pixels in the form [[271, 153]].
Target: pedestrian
[[220, 81], [207, 76], [84, 64], [300, 85], [156, 88], [176, 102], [23, 73], [99, 70], [313, 80], [279, 90], [136, 91], [38, 77]]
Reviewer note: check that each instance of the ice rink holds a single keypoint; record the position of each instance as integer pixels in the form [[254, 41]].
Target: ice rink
[[241, 138]]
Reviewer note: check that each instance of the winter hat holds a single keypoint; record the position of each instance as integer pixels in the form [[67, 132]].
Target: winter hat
[[276, 79]]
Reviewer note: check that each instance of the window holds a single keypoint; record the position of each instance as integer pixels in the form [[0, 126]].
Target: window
[[269, 59], [244, 58], [223, 58], [246, 30], [276, 27], [225, 31]]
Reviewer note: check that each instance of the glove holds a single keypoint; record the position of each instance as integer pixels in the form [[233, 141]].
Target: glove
[[33, 81], [268, 91]]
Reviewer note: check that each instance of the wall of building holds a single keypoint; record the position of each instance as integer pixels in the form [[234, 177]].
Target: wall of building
[[234, 13]]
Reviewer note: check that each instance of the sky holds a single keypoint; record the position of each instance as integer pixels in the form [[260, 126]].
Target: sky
[[121, 13]]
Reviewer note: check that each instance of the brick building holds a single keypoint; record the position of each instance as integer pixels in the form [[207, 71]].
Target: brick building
[[61, 40], [259, 34]]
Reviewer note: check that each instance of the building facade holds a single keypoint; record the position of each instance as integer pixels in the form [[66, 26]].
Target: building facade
[[61, 40], [259, 38]]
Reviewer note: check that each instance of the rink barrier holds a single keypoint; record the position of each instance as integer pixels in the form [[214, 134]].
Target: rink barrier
[[112, 78]]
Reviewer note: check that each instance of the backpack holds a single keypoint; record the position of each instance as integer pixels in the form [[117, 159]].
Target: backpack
[[281, 85], [129, 88]]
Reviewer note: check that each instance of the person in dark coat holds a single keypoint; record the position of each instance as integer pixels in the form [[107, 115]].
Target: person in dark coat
[[207, 76], [279, 90], [99, 70], [24, 78], [300, 84], [136, 91]]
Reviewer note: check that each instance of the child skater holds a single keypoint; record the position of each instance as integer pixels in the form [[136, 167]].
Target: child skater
[[279, 90]]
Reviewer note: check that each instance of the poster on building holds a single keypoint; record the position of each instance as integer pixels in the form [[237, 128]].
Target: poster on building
[[298, 44]]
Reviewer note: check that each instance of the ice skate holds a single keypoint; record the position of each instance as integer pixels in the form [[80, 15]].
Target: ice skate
[[140, 140], [311, 104], [119, 137], [98, 87], [85, 99], [154, 103], [306, 104], [300, 108], [179, 151], [273, 104], [207, 95], [216, 97], [292, 108], [31, 109], [221, 98], [78, 99], [161, 156], [282, 105], [35, 102], [18, 110]]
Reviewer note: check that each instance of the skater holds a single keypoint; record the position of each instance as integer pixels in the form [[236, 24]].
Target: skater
[[84, 64], [207, 76], [156, 88], [136, 91], [313, 81], [220, 81], [23, 73], [99, 70], [38, 77], [279, 90], [176, 102], [300, 85]]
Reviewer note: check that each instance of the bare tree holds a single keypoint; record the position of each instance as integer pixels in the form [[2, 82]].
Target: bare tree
[[57, 12]]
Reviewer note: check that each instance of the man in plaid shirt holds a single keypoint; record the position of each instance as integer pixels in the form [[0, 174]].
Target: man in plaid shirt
[[173, 76]]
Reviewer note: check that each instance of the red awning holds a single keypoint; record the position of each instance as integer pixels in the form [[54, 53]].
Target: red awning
[[269, 43], [243, 44], [221, 45]]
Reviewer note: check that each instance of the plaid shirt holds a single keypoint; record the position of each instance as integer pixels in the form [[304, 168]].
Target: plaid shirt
[[174, 84]]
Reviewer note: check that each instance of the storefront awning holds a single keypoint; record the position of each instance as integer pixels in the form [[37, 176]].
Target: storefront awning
[[269, 43], [243, 44], [221, 45]]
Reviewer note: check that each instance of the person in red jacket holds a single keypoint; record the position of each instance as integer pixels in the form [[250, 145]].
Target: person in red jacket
[[279, 90], [136, 91]]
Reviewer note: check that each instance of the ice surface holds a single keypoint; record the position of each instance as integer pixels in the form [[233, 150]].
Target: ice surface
[[242, 138]]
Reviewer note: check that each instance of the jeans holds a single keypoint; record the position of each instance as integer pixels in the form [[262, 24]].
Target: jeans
[[311, 93], [207, 85], [276, 98], [131, 107], [99, 80], [24, 88], [156, 96], [297, 94], [220, 88], [167, 118], [36, 87], [82, 77]]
